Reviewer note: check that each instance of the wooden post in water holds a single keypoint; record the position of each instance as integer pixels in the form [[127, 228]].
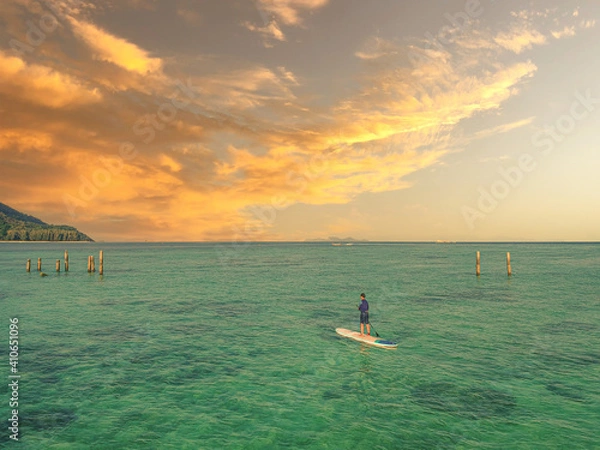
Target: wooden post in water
[[28, 267], [66, 260], [101, 259], [58, 265], [508, 264], [478, 264], [89, 268], [39, 264]]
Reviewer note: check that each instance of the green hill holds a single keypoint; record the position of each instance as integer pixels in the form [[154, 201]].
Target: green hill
[[16, 226]]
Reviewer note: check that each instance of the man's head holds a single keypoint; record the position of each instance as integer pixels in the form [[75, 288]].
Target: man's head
[[362, 296]]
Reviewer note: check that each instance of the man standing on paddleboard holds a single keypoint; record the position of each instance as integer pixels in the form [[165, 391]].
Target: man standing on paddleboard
[[364, 315]]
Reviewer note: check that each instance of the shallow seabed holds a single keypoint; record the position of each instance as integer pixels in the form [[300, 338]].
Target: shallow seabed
[[233, 346]]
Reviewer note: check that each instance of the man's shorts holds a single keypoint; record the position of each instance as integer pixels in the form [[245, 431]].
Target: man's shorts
[[364, 317]]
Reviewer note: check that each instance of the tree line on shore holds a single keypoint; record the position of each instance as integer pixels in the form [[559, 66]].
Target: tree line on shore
[[16, 226]]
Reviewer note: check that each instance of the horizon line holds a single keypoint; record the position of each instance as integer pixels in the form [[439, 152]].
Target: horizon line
[[312, 241]]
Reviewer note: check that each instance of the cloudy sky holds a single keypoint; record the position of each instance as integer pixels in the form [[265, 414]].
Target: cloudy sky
[[178, 120]]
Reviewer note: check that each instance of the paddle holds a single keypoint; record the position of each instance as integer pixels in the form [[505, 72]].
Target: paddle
[[376, 333]]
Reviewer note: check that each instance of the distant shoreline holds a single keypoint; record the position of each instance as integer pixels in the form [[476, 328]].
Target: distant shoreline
[[355, 243], [48, 242]]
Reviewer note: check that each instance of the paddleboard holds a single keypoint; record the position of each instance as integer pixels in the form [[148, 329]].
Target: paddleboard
[[371, 340]]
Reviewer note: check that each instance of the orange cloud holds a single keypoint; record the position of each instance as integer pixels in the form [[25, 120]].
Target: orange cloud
[[24, 140], [269, 31], [170, 163], [400, 122], [42, 85], [288, 11], [503, 128], [375, 48], [234, 91], [185, 183], [527, 31], [520, 39], [116, 50], [284, 11]]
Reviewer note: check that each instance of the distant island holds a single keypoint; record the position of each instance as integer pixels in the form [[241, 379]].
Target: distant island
[[16, 226], [336, 239]]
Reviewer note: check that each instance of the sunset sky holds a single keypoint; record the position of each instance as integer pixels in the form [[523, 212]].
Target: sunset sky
[[227, 120]]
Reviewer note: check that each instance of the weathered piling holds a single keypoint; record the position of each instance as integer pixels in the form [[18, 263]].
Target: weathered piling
[[101, 260], [58, 265], [28, 266], [66, 260], [39, 264], [89, 265], [93, 263], [508, 268], [478, 264]]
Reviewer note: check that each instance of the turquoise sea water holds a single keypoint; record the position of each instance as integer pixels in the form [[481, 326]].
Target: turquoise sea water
[[233, 346]]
